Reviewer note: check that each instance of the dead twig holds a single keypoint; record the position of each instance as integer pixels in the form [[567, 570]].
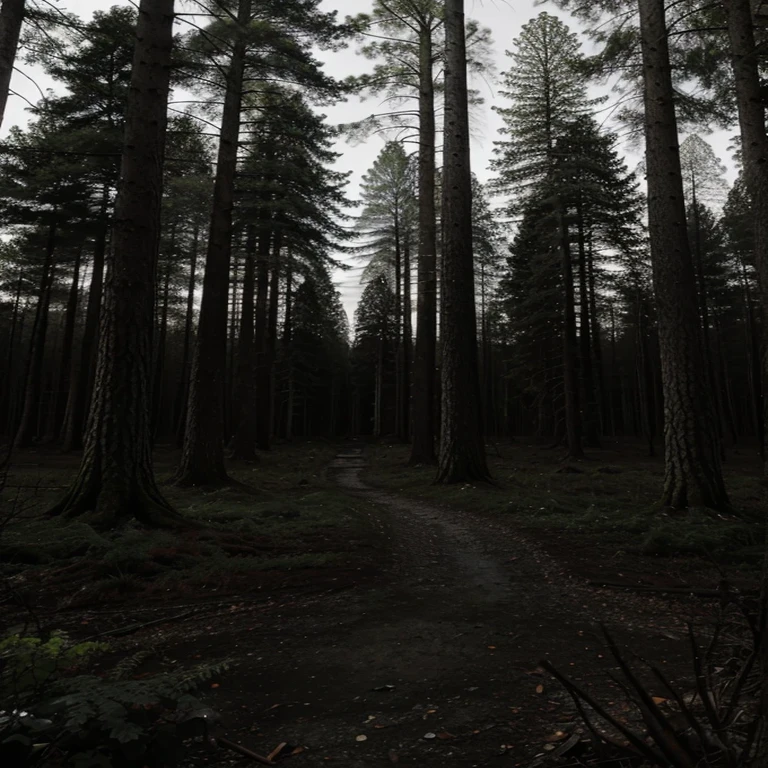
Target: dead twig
[[131, 628], [277, 750], [221, 741]]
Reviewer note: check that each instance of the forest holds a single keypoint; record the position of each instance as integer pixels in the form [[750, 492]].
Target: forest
[[434, 461]]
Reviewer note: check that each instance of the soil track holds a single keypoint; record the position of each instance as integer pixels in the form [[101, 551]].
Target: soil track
[[435, 665]]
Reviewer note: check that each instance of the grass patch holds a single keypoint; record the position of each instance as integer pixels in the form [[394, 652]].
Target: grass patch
[[296, 521], [610, 497]]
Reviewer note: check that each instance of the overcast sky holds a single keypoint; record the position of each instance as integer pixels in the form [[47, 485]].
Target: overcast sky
[[503, 17]]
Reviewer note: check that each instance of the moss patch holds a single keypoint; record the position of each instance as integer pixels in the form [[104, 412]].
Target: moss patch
[[612, 497], [292, 519]]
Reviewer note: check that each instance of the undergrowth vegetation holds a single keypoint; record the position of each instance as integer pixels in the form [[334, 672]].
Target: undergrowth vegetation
[[285, 517], [65, 701], [57, 712], [611, 496]]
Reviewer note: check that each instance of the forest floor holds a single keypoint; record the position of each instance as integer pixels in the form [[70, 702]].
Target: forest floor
[[371, 619]]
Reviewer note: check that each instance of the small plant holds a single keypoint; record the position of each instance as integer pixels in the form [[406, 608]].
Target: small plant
[[30, 663], [54, 714]]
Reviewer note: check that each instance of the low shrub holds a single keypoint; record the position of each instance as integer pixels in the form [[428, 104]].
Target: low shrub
[[54, 713]]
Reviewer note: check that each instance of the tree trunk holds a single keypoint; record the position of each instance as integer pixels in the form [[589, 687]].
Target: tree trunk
[[591, 407], [10, 358], [724, 381], [486, 364], [645, 380], [202, 461], [483, 359], [378, 388], [262, 309], [158, 374], [233, 333], [63, 373], [692, 454], [612, 378], [570, 375], [244, 439], [27, 431], [596, 341], [11, 17], [288, 344], [462, 451], [755, 371], [290, 406], [407, 340], [83, 365], [116, 480], [754, 146], [425, 353], [399, 391], [266, 408], [713, 380], [181, 391]]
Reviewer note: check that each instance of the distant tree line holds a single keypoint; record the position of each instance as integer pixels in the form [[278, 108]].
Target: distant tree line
[[601, 309]]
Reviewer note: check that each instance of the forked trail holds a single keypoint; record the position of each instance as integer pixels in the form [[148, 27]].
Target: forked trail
[[437, 663]]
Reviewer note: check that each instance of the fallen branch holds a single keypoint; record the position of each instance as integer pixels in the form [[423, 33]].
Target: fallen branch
[[277, 751], [131, 628], [221, 741]]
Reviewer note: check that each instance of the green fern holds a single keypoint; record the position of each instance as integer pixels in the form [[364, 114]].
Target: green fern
[[112, 705], [130, 664], [30, 663], [102, 720]]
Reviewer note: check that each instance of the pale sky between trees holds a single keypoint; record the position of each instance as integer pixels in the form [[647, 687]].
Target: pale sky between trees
[[503, 17]]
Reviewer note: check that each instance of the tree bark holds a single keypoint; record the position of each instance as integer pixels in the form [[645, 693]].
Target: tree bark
[[596, 341], [713, 380], [266, 408], [425, 353], [27, 431], [693, 475], [645, 380], [202, 461], [116, 479], [64, 366], [83, 365], [755, 372], [11, 18], [462, 451], [288, 345], [233, 325], [10, 358], [754, 146], [158, 374], [591, 407], [407, 340], [181, 391], [262, 295], [378, 388], [399, 391], [244, 439], [570, 375]]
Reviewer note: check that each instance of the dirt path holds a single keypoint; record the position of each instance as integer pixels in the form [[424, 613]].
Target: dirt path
[[436, 665]]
